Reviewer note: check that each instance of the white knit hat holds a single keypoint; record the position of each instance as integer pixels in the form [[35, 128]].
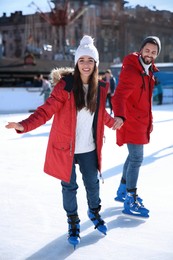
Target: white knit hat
[[87, 48]]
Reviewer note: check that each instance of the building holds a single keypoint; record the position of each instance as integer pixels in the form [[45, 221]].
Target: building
[[117, 30]]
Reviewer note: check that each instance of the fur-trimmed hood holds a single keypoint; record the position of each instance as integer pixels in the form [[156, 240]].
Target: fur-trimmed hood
[[57, 73]]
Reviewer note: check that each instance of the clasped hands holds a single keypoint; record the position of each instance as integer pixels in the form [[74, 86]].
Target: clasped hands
[[118, 123]]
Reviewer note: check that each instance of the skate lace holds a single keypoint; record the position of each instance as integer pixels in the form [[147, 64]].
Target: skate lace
[[136, 204]]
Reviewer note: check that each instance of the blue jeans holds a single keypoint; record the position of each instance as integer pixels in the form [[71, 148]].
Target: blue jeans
[[132, 165], [88, 168]]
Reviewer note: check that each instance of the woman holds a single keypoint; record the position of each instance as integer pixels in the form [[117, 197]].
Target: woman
[[77, 102]]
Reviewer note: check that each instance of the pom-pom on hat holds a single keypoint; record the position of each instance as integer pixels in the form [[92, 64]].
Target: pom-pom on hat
[[154, 40], [87, 48]]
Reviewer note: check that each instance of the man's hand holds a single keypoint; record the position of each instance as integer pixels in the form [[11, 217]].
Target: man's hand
[[118, 123]]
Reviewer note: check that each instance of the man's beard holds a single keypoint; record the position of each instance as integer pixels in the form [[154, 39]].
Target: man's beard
[[147, 60]]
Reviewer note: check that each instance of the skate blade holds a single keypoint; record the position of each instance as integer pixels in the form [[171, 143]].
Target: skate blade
[[138, 215], [119, 200], [74, 243], [104, 232]]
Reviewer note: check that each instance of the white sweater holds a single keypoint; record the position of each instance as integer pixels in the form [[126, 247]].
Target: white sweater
[[84, 130]]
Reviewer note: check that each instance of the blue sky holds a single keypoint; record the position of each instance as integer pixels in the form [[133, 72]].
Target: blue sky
[[9, 6], [159, 4]]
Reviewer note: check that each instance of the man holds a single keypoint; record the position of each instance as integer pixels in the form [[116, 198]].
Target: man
[[38, 80], [112, 83], [158, 86], [132, 109], [46, 88]]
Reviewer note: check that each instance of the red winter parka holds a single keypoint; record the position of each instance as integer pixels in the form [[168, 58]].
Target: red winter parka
[[61, 143], [133, 100]]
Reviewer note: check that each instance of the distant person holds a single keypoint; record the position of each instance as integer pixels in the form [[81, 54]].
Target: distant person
[[132, 103], [77, 103], [46, 88], [38, 80], [112, 84], [101, 75], [159, 88]]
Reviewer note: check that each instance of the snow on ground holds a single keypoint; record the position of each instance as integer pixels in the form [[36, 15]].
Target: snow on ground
[[33, 224]]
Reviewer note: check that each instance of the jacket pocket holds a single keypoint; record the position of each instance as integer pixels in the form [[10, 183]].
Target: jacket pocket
[[62, 146]]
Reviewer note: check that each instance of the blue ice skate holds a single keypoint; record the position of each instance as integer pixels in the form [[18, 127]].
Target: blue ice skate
[[98, 222], [133, 207], [73, 230], [121, 193]]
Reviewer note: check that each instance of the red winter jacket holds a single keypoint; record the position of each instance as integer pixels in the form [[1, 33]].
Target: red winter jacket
[[133, 100], [61, 143]]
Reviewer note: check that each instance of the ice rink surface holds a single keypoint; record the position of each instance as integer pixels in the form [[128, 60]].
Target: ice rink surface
[[33, 224]]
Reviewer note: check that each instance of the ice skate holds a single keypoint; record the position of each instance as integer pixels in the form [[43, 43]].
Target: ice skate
[[121, 193], [98, 222], [132, 206], [73, 230]]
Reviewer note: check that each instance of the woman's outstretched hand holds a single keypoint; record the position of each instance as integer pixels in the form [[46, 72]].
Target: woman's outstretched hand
[[16, 126]]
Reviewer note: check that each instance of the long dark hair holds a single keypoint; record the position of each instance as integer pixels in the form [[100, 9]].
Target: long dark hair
[[79, 94]]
